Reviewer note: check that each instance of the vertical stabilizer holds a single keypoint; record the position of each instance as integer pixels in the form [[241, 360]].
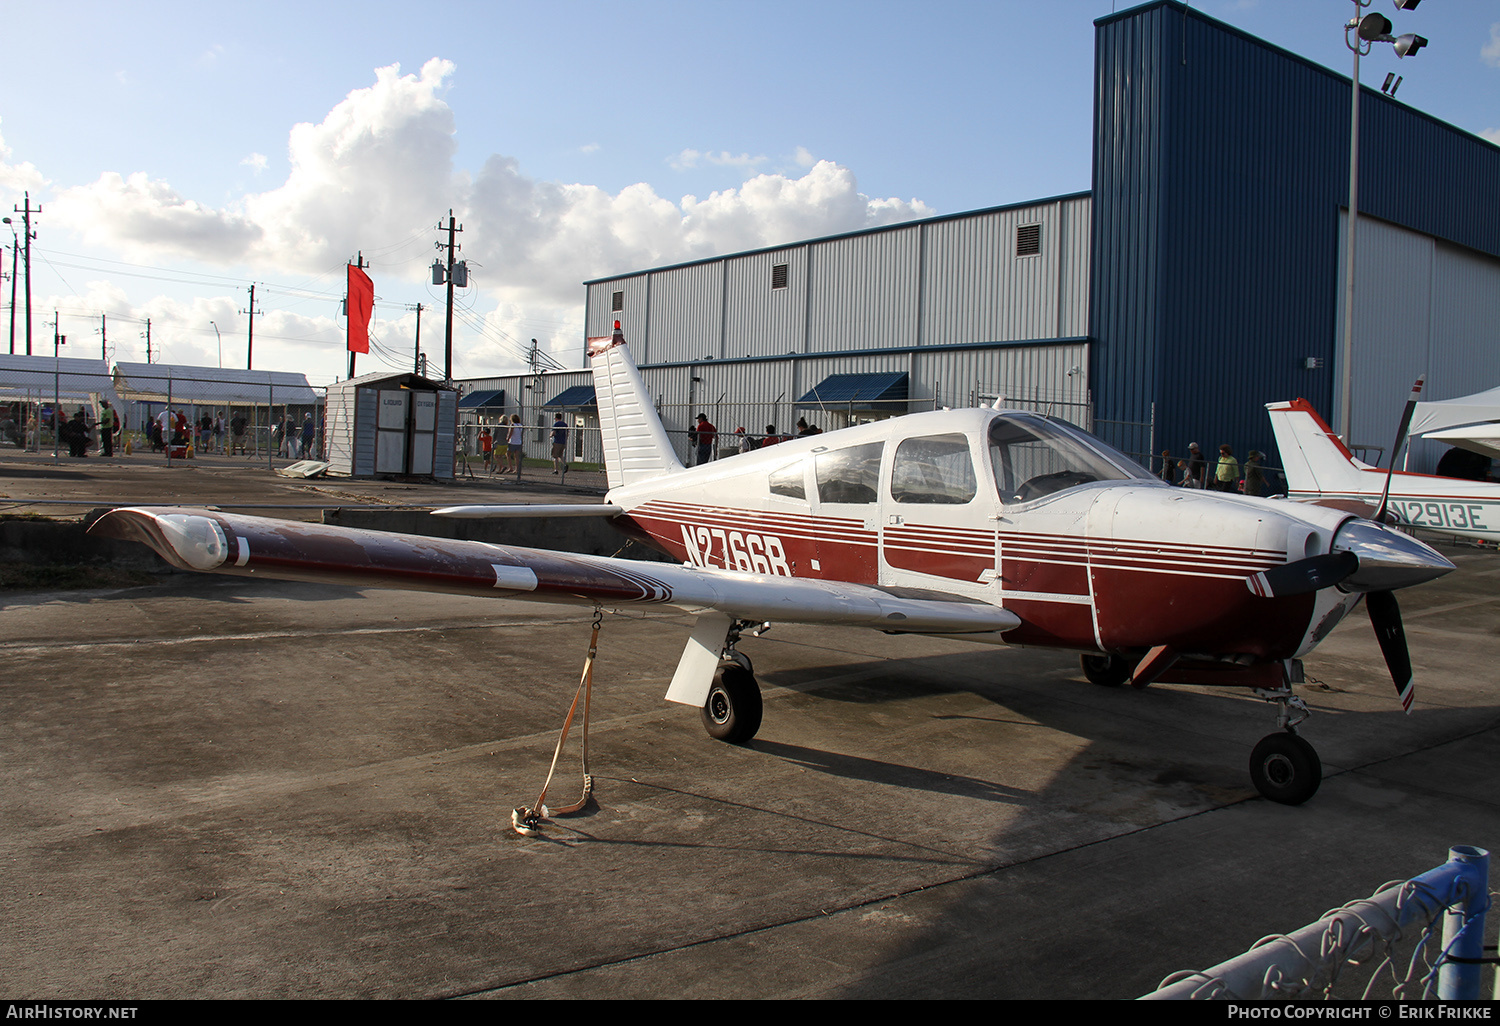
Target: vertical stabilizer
[[636, 447], [1314, 459]]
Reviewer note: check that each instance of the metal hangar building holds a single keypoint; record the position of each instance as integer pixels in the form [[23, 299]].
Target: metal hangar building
[[1200, 277]]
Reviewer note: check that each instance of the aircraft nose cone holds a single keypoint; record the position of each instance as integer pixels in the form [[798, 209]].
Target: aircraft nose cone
[[1387, 559]]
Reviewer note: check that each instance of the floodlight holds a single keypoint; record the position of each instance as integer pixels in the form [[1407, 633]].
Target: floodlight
[[1375, 27], [1407, 5], [1409, 44]]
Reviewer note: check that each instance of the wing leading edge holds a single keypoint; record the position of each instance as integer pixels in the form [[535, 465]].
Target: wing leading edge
[[214, 542]]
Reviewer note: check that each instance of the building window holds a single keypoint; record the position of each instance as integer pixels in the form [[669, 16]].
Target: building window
[[778, 276], [617, 303], [1028, 240]]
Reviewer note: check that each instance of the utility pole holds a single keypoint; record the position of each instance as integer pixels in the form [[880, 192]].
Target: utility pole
[[15, 249], [417, 361], [437, 269], [26, 213], [148, 340], [103, 339], [250, 338]]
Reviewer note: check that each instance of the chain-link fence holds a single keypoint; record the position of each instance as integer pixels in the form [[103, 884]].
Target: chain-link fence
[[203, 415], [1412, 940]]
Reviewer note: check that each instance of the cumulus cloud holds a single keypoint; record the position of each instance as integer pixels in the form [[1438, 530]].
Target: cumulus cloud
[[1491, 50], [16, 179], [1492, 134], [256, 162], [688, 159], [147, 219], [380, 168]]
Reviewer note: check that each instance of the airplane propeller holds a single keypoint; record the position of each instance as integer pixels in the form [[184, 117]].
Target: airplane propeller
[[1385, 617], [1311, 574], [1370, 559], [1411, 408]]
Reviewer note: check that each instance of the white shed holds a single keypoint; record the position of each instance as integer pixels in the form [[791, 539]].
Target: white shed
[[391, 424]]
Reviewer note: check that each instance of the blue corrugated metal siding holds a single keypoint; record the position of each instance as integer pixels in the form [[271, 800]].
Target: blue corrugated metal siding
[[1220, 169]]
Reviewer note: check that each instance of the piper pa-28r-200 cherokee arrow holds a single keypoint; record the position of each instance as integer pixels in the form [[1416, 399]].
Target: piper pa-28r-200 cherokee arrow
[[998, 526]]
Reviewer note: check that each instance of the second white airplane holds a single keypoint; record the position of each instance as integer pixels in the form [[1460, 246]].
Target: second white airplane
[[1319, 468]]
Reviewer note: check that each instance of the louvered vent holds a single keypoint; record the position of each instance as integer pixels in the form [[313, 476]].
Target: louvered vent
[[778, 276], [1028, 239], [618, 303]]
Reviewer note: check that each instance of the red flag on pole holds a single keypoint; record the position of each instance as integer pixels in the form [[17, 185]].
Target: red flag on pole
[[361, 306]]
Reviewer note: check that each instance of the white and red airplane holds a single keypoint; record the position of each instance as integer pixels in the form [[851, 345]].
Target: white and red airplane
[[1319, 468], [1000, 526]]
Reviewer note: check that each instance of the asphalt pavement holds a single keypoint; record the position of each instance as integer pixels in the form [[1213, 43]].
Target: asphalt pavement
[[213, 787]]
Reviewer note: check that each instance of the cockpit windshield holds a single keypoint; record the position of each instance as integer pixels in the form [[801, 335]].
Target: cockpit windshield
[[1034, 456]]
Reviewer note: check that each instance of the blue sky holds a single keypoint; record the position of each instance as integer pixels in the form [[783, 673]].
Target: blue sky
[[572, 139]]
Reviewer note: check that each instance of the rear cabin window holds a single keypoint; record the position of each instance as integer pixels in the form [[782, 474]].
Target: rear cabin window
[[788, 481], [849, 475], [934, 469]]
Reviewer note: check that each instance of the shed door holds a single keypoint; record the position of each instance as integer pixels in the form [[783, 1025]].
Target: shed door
[[390, 432], [423, 431]]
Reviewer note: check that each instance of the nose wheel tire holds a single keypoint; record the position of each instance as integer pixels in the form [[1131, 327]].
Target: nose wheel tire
[[1108, 671], [733, 710], [1285, 768]]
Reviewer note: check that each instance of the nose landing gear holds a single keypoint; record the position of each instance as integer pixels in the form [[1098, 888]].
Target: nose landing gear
[[1283, 766]]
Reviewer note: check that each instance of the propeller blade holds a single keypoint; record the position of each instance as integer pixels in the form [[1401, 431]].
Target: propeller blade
[[1385, 617], [1411, 408], [1311, 574]]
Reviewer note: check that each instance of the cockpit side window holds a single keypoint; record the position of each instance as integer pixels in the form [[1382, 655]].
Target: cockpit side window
[[934, 469], [1033, 457], [849, 475], [789, 481]]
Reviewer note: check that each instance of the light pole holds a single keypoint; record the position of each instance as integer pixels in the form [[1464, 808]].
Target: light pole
[[1372, 28], [221, 343]]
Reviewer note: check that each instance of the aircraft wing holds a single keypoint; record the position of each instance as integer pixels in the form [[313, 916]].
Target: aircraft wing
[[214, 542]]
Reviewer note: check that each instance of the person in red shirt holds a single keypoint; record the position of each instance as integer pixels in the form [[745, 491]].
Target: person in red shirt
[[705, 434], [486, 447], [771, 436]]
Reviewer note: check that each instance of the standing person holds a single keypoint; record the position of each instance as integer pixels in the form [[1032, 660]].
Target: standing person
[[1255, 477], [559, 444], [1196, 464], [1166, 466], [163, 428], [237, 427], [309, 432], [1227, 472], [487, 449], [804, 428], [513, 442], [705, 434], [107, 425]]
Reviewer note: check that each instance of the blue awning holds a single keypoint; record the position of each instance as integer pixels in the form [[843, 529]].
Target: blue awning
[[575, 398], [491, 399], [883, 392]]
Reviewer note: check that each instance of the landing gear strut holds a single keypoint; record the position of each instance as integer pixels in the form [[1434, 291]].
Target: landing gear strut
[[733, 710], [1284, 767]]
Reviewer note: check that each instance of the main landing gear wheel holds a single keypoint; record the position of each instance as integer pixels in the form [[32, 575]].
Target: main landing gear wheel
[[1108, 671], [732, 712], [1285, 768]]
